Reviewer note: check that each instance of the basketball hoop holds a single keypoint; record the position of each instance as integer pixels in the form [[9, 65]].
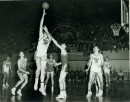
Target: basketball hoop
[[115, 28]]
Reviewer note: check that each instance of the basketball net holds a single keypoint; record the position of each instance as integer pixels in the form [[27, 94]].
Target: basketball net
[[115, 28]]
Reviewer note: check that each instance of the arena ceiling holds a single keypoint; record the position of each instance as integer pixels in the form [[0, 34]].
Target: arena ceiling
[[16, 15], [79, 10]]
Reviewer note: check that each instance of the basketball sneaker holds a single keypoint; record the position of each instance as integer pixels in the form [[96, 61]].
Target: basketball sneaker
[[100, 93], [19, 92], [89, 94], [42, 91], [4, 85], [13, 91], [7, 84]]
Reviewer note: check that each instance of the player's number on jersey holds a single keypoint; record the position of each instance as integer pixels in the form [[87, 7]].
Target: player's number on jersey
[[96, 60]]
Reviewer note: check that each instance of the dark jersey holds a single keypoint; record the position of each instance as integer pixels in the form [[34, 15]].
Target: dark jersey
[[50, 65]]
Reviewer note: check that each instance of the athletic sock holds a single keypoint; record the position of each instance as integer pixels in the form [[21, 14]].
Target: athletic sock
[[42, 85]]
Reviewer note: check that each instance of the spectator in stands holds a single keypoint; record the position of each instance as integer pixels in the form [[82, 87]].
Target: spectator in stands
[[81, 75], [121, 75], [68, 77], [77, 75], [114, 74], [87, 73], [73, 75]]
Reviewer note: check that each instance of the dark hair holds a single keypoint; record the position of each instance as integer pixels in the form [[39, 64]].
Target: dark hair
[[7, 56], [106, 57]]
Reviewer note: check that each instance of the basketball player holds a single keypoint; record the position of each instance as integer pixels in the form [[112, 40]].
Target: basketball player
[[64, 70], [22, 74], [50, 71], [88, 74], [41, 55], [96, 62], [6, 68], [107, 67]]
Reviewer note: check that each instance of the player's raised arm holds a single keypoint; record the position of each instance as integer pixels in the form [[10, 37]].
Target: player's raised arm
[[56, 43], [47, 32], [41, 24]]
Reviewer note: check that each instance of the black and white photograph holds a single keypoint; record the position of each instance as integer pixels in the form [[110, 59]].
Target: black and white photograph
[[64, 51]]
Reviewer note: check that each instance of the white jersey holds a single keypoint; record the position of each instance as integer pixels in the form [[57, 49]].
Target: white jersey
[[96, 62], [22, 64], [6, 66], [42, 46]]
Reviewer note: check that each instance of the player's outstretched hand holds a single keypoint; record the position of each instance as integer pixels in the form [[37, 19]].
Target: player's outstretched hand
[[45, 28], [44, 13]]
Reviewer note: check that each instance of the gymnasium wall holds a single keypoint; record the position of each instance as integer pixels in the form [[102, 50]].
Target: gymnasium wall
[[77, 61], [118, 59]]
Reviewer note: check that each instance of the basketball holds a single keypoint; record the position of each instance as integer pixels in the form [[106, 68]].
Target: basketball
[[45, 5]]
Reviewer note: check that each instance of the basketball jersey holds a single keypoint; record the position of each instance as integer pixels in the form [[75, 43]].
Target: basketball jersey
[[96, 61], [43, 45], [6, 66], [23, 64], [64, 60], [107, 64], [50, 65]]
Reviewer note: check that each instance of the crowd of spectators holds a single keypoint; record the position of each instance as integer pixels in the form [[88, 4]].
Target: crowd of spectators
[[86, 37]]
